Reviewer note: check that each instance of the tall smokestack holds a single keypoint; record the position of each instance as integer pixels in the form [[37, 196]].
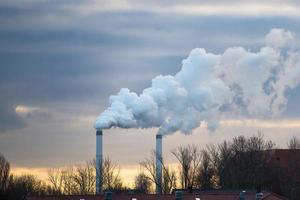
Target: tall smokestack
[[99, 160], [158, 163]]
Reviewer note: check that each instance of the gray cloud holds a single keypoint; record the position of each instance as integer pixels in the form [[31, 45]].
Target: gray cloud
[[69, 62], [76, 63], [9, 120]]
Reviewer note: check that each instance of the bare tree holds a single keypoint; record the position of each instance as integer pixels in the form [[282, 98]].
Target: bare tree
[[168, 176], [20, 186], [111, 175], [73, 180], [243, 157], [81, 179], [206, 171], [148, 164], [55, 179], [4, 174], [142, 183], [69, 185], [169, 179], [84, 177], [189, 158], [294, 143], [221, 156]]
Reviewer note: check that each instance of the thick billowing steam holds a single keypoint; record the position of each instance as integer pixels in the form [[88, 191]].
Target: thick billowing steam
[[210, 87]]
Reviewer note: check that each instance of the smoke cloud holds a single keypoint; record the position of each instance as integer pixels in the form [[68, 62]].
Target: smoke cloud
[[210, 87]]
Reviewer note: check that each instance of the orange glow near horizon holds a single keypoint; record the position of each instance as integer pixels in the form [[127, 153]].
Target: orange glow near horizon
[[39, 172], [127, 173]]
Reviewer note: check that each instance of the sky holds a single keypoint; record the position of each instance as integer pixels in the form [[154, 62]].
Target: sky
[[60, 60]]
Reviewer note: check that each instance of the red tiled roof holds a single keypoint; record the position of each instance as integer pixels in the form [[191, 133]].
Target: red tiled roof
[[208, 196], [274, 196]]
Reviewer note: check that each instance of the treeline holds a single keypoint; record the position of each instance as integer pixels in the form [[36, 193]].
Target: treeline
[[242, 163], [17, 187], [236, 164], [75, 180]]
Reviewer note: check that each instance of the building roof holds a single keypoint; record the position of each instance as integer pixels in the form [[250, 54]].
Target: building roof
[[287, 161], [283, 156], [274, 196], [204, 196]]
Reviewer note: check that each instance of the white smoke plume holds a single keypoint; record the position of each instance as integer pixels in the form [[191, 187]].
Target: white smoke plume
[[210, 87]]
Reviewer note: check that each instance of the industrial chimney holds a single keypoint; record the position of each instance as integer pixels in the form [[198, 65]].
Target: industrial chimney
[[158, 164], [99, 160]]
